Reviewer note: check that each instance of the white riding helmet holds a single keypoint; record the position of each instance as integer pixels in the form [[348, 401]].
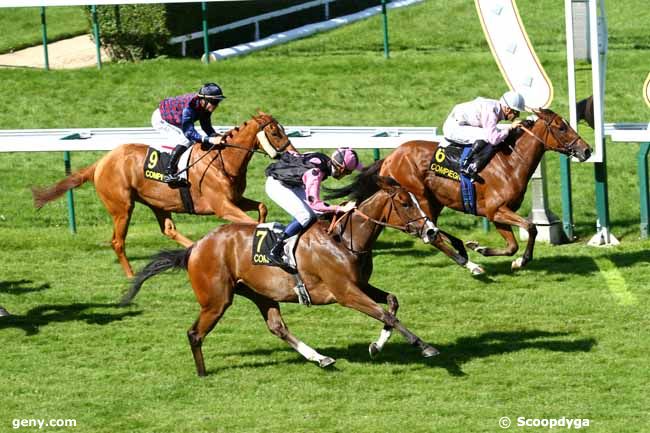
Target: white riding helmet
[[513, 100]]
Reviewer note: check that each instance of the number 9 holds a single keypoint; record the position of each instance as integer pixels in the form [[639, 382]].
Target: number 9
[[153, 160]]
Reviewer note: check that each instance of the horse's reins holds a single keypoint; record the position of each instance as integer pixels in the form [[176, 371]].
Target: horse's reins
[[570, 146], [222, 144], [347, 216]]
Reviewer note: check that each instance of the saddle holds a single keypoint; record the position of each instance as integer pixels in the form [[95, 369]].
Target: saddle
[[264, 238], [154, 169]]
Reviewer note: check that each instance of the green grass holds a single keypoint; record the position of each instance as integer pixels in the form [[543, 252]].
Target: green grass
[[564, 337], [21, 27]]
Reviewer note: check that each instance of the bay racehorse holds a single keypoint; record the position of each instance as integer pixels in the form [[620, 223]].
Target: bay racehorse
[[334, 264], [505, 180], [217, 178]]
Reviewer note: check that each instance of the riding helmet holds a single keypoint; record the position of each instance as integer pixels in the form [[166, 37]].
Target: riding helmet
[[211, 91]]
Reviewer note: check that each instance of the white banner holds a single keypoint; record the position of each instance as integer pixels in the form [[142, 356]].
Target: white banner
[[646, 90], [513, 51], [33, 3]]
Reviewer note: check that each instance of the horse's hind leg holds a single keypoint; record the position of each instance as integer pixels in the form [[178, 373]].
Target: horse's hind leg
[[271, 313], [121, 220], [214, 300], [168, 228]]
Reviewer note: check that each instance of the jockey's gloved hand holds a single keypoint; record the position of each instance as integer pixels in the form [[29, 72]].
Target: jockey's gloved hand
[[517, 123], [347, 207]]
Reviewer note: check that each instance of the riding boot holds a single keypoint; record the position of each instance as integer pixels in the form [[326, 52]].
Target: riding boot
[[470, 167], [171, 177], [276, 253]]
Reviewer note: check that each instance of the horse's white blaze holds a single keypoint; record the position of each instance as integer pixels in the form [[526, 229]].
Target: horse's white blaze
[[430, 227], [266, 145], [383, 338]]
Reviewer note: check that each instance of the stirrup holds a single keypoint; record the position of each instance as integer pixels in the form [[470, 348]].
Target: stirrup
[[175, 181]]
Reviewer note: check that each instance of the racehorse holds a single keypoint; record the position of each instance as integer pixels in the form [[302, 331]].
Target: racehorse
[[335, 267], [217, 178], [505, 180]]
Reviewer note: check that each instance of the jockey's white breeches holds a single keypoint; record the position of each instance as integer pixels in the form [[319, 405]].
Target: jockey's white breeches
[[292, 200], [461, 133], [173, 134]]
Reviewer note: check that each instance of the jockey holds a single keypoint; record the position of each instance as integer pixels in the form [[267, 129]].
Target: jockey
[[294, 184], [475, 123], [175, 118]]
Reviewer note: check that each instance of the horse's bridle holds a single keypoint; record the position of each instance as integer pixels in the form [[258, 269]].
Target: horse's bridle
[[549, 130], [222, 144], [347, 217]]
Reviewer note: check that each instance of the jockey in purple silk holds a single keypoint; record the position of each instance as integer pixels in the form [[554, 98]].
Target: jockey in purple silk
[[175, 118]]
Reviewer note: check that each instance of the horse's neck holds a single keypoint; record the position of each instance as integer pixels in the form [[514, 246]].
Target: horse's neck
[[526, 154], [358, 233], [236, 159]]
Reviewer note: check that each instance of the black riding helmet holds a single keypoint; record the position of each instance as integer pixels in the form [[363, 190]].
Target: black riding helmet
[[211, 91]]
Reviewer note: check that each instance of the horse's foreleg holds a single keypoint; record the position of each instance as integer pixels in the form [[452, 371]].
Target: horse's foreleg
[[457, 252], [247, 204], [355, 298], [506, 216], [271, 313], [168, 228], [503, 222], [382, 297], [229, 211]]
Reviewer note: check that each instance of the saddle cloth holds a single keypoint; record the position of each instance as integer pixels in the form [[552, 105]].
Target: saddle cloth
[[264, 238], [156, 162], [446, 162]]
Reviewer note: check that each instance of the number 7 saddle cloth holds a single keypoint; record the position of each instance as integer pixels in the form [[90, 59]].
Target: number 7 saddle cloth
[[264, 238]]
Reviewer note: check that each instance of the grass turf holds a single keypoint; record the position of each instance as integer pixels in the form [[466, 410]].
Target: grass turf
[[562, 338]]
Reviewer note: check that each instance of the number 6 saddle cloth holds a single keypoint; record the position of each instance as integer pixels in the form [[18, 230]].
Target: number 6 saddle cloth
[[156, 162]]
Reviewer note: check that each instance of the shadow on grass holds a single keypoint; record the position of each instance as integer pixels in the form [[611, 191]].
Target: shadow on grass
[[452, 356], [43, 315], [20, 287]]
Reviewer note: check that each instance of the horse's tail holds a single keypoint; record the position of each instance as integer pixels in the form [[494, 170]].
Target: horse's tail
[[42, 196], [164, 260]]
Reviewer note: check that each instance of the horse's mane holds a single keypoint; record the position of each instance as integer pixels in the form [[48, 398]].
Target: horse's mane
[[363, 186], [257, 117]]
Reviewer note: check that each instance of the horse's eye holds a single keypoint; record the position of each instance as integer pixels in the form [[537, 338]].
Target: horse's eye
[[562, 127]]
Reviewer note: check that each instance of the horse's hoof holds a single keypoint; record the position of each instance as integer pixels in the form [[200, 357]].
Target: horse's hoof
[[478, 271], [373, 349], [472, 245], [517, 264], [326, 362], [4, 313], [430, 351], [475, 269]]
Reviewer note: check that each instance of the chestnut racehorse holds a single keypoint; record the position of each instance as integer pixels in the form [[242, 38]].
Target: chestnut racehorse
[[505, 180], [335, 267], [217, 177]]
